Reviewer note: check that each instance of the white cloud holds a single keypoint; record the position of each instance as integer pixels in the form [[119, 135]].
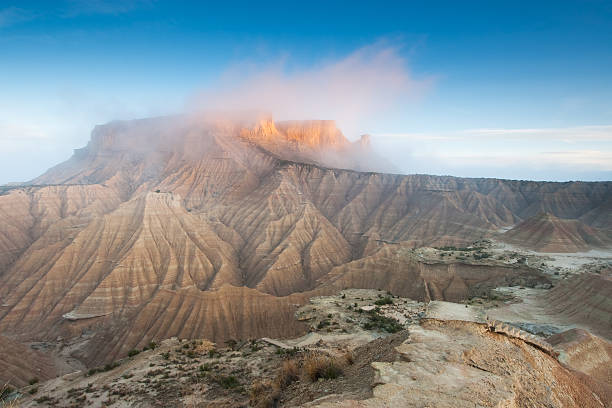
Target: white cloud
[[581, 152], [354, 89], [602, 133]]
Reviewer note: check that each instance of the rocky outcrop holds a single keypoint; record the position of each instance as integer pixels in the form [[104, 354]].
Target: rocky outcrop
[[462, 364], [400, 270]]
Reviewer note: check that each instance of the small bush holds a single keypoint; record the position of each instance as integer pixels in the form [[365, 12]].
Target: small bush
[[133, 353], [264, 394], [227, 382], [110, 366], [379, 322], [384, 301], [349, 358], [289, 373], [287, 352], [321, 366], [33, 390], [33, 381], [43, 399], [5, 390], [322, 324]]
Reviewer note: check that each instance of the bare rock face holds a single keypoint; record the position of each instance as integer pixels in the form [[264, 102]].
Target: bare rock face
[[460, 364], [179, 226], [19, 364], [584, 300], [401, 271], [589, 355], [547, 233]]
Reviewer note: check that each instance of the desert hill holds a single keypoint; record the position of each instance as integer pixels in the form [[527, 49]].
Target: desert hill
[[546, 233], [183, 227]]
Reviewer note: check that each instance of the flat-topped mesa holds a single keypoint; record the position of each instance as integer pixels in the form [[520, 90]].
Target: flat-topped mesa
[[131, 135], [315, 134], [297, 134]]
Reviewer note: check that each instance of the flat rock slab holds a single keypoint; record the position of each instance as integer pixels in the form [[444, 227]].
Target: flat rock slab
[[454, 311], [276, 343]]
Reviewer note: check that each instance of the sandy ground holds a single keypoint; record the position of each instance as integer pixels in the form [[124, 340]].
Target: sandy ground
[[565, 261]]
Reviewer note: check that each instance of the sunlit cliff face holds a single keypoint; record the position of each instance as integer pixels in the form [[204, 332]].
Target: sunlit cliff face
[[308, 134]]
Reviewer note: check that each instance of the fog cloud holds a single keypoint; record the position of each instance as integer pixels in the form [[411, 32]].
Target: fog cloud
[[354, 90]]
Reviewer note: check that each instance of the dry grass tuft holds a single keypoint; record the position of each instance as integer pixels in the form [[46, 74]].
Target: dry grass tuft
[[204, 347], [321, 366], [264, 394], [349, 357], [5, 391], [289, 373]]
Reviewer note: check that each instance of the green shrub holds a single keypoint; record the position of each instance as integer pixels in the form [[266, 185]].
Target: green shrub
[[133, 353], [227, 382], [322, 324], [379, 322], [5, 391], [384, 301]]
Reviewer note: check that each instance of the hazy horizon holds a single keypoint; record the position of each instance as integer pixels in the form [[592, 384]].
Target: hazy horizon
[[470, 90]]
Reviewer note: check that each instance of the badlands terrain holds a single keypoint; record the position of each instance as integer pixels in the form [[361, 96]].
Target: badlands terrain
[[188, 262]]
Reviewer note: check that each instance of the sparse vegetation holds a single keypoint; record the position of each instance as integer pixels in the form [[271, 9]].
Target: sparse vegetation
[[318, 365], [384, 301], [264, 394], [133, 353], [5, 391], [481, 255], [323, 324], [289, 373], [349, 358], [380, 322], [43, 399], [226, 382]]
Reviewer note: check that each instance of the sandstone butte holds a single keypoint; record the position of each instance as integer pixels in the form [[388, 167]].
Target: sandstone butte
[[199, 229]]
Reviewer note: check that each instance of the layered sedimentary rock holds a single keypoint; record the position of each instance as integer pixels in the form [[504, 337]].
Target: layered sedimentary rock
[[19, 364], [140, 231], [397, 269], [589, 355], [547, 233], [584, 300]]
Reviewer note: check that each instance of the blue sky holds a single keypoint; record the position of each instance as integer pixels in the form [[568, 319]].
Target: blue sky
[[497, 89]]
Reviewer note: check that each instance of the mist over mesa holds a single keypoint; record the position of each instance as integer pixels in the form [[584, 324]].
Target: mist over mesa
[[369, 90]]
